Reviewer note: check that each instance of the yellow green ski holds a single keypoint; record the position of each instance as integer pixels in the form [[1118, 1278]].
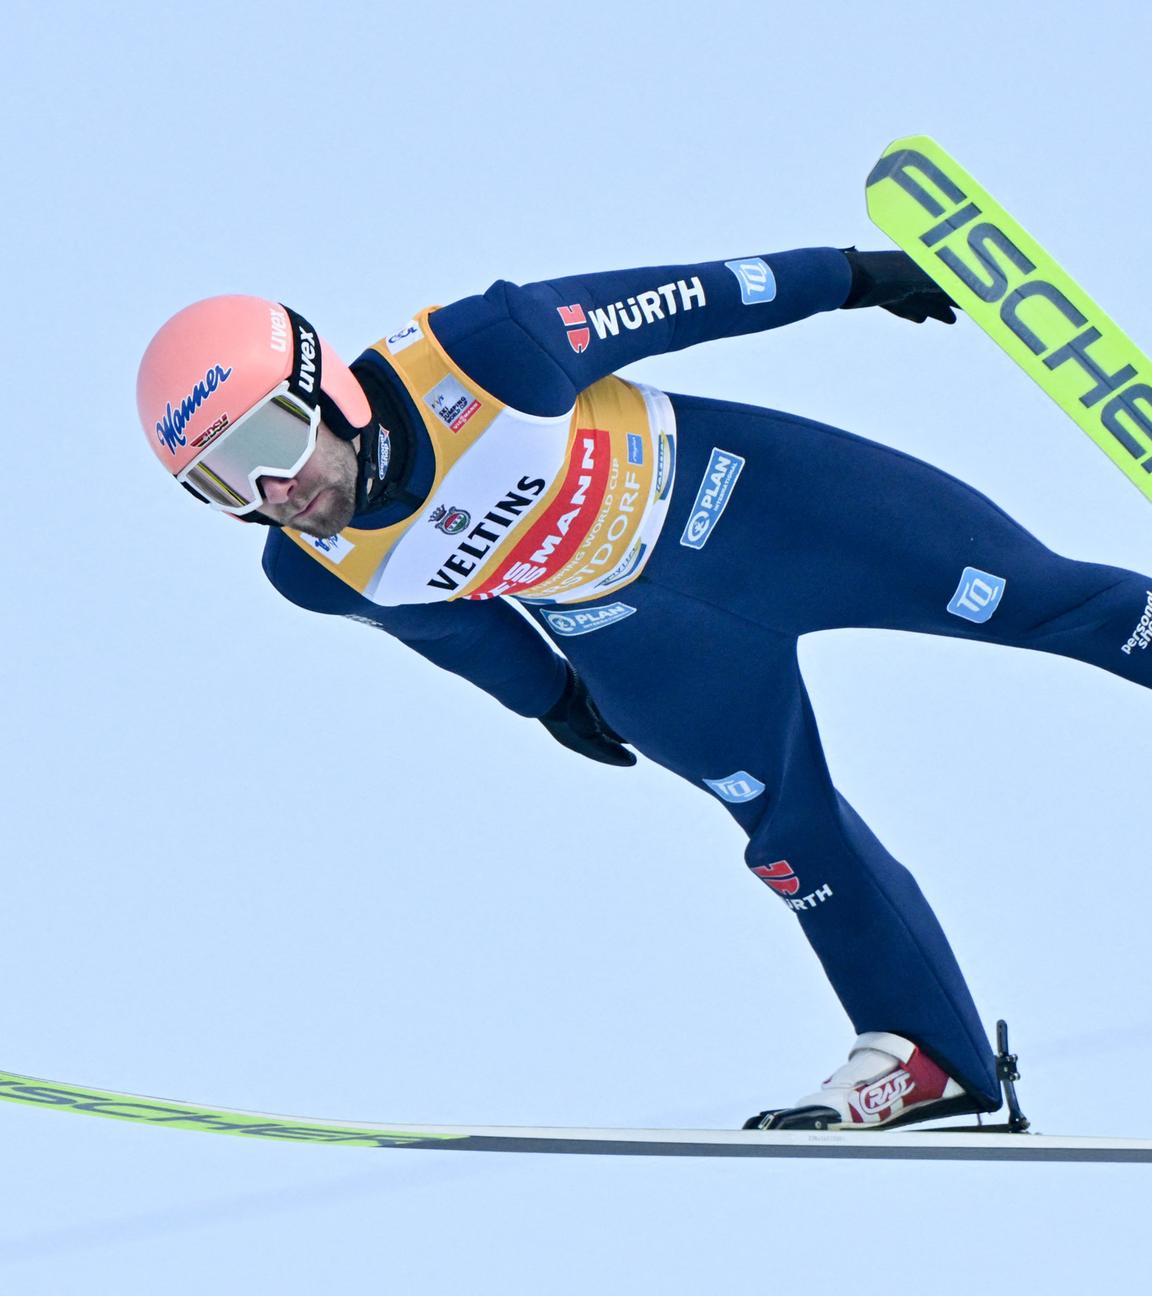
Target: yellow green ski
[[943, 1144], [961, 236]]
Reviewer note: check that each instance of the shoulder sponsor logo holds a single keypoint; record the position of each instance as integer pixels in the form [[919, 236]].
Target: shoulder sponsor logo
[[403, 338], [451, 403], [781, 877], [1142, 635], [335, 548], [478, 542], [587, 619], [712, 498], [632, 312], [736, 788], [576, 322], [170, 429], [757, 282], [977, 596]]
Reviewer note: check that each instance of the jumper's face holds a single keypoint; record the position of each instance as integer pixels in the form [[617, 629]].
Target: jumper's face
[[321, 499]]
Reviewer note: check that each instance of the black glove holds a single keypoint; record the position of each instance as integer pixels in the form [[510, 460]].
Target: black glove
[[576, 723], [893, 280]]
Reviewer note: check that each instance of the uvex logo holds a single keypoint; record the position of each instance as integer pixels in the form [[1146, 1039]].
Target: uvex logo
[[779, 877], [308, 346]]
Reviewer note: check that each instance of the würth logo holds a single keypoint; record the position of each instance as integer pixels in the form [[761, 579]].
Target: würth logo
[[779, 877], [576, 322]]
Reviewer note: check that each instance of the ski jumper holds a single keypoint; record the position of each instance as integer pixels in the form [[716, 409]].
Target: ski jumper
[[744, 529]]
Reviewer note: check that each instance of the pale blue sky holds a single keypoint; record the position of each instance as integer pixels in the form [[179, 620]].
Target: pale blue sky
[[260, 859]]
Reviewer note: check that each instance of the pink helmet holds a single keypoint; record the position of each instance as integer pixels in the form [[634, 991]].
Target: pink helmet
[[217, 361]]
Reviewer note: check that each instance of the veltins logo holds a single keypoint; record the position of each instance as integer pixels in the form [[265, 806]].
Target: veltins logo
[[977, 596], [712, 498], [736, 788], [756, 280], [587, 619]]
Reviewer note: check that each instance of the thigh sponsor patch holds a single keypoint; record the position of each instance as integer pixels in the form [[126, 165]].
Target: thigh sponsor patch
[[977, 596], [712, 498]]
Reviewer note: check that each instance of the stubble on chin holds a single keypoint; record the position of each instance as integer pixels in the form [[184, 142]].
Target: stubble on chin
[[334, 514]]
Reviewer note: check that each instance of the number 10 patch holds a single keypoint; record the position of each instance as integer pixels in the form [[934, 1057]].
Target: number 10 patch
[[977, 596]]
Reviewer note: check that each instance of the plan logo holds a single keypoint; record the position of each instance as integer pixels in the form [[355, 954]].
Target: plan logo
[[977, 596], [587, 619], [756, 280], [736, 788], [712, 498]]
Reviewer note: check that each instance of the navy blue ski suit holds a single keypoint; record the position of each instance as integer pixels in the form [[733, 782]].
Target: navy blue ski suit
[[694, 663]]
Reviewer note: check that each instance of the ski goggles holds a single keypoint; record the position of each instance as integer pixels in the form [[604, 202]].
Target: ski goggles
[[273, 439]]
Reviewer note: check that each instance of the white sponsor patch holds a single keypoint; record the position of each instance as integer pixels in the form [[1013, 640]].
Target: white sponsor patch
[[334, 548], [403, 338], [452, 403]]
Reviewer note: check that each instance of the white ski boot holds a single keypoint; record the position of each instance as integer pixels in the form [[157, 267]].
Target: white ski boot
[[887, 1081]]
